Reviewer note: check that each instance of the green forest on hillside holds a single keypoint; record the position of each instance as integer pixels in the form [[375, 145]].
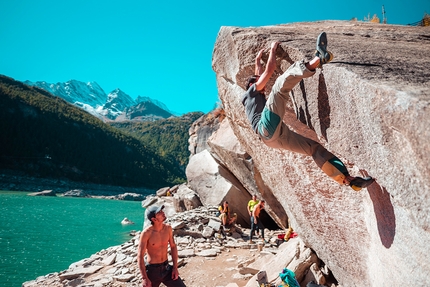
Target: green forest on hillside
[[168, 137], [44, 136]]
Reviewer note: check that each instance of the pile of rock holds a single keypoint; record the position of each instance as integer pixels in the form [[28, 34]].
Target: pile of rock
[[197, 232]]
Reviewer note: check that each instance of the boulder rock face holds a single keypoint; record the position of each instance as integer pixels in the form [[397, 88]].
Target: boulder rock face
[[185, 199], [200, 131], [229, 153], [209, 180], [370, 107]]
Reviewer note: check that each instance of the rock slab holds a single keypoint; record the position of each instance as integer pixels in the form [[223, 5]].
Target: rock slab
[[370, 107]]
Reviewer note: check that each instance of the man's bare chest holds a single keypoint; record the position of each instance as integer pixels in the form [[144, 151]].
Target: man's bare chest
[[158, 239]]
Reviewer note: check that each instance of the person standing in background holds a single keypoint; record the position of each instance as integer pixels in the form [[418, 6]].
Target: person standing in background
[[253, 202], [255, 221]]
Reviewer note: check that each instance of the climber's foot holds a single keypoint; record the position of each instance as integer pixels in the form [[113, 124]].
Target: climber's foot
[[358, 183], [321, 52]]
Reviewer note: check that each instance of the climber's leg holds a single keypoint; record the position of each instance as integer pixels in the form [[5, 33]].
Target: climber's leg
[[321, 50], [337, 170], [324, 159], [273, 113], [269, 126], [289, 79]]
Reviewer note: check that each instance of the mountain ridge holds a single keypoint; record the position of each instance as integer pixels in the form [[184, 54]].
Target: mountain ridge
[[110, 106], [46, 136]]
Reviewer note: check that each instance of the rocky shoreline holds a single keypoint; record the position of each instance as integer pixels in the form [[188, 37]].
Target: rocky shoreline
[[198, 234], [15, 182]]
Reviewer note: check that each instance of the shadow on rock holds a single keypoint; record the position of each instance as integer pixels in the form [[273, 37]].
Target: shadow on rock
[[384, 212], [323, 106]]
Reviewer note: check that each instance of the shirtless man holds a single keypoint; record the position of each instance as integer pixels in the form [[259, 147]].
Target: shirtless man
[[255, 220], [154, 241]]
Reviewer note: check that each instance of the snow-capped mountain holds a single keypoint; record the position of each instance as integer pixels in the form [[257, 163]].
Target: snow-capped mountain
[[115, 106], [117, 101], [145, 110], [75, 92]]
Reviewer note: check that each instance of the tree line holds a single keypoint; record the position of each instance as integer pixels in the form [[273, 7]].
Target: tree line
[[44, 136]]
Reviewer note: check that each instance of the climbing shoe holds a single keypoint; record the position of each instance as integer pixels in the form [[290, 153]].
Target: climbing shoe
[[321, 52], [358, 183]]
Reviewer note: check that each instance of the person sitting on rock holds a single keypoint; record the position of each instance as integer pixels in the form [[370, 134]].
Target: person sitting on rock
[[226, 218], [266, 116]]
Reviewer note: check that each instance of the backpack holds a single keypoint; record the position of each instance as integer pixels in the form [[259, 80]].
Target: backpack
[[288, 278]]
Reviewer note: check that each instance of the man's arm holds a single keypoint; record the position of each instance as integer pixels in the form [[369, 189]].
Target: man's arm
[[174, 253], [141, 260], [270, 68], [258, 67], [255, 212], [249, 211]]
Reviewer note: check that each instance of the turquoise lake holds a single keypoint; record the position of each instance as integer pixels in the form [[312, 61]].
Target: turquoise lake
[[43, 234]]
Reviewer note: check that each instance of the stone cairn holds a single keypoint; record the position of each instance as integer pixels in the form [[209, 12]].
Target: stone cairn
[[197, 232]]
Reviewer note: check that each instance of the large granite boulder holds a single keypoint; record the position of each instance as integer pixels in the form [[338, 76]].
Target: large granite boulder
[[201, 130], [370, 108], [293, 255], [209, 180], [185, 199], [228, 152]]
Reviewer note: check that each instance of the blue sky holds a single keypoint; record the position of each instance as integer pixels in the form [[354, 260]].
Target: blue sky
[[159, 49]]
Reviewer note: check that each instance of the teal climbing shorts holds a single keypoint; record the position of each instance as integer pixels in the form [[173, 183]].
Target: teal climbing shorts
[[268, 123]]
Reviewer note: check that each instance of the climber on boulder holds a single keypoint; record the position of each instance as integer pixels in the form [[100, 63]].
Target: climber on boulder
[[266, 116]]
